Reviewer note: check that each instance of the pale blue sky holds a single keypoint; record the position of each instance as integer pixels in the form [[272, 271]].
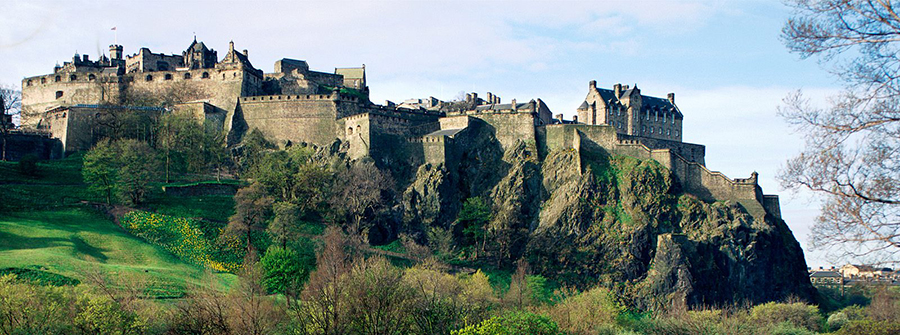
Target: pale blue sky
[[723, 59]]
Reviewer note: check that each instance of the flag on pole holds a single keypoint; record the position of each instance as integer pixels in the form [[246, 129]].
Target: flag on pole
[[113, 28]]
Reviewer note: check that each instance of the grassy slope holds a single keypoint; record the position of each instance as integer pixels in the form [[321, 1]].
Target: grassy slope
[[42, 224]]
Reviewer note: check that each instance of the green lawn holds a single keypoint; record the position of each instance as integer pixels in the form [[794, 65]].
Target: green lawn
[[44, 226]]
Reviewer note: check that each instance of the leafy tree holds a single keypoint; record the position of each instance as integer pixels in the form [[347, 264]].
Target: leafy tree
[[851, 154], [284, 270], [100, 169], [123, 168], [138, 166], [252, 207], [474, 217]]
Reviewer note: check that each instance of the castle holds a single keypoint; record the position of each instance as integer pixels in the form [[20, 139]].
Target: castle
[[294, 104]]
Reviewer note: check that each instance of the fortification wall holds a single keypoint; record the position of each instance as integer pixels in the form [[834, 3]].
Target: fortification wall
[[41, 93], [295, 118], [44, 147], [692, 152], [510, 127], [694, 177]]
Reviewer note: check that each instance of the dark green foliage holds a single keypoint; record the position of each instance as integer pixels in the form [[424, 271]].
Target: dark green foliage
[[513, 323], [28, 165], [473, 218], [39, 277], [124, 168]]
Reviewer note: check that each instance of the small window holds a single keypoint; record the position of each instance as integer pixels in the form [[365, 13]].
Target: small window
[[350, 131], [92, 77], [43, 80], [149, 77], [168, 76], [187, 75], [668, 132], [64, 114], [657, 116], [57, 79], [205, 75], [676, 133], [357, 128], [29, 83], [59, 94], [97, 115], [73, 78]]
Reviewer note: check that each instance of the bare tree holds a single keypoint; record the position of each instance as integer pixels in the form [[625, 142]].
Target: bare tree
[[361, 191], [10, 106], [852, 154]]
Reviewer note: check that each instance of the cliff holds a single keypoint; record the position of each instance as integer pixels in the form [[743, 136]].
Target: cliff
[[587, 217]]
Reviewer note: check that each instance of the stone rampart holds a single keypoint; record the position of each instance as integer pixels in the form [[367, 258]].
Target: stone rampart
[[694, 177], [297, 119]]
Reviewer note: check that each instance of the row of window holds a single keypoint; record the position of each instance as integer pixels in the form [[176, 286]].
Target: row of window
[[665, 117], [187, 75], [659, 131], [59, 79]]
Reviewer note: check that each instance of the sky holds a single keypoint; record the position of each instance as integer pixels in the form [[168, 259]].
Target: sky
[[724, 60]]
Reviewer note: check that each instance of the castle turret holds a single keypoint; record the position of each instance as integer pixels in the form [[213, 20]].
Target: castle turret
[[115, 52]]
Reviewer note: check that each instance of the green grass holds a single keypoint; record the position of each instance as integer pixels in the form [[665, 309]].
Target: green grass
[[38, 276], [44, 226], [71, 242]]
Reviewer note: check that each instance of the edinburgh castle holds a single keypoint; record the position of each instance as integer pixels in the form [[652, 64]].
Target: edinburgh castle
[[297, 105]]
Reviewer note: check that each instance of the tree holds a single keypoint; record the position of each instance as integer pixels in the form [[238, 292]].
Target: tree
[[474, 217], [138, 166], [284, 270], [252, 207], [10, 106], [851, 154], [361, 190], [323, 307], [100, 170]]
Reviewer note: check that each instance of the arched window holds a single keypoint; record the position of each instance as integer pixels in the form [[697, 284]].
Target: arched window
[[59, 94], [43, 80], [187, 75], [149, 77], [73, 78], [205, 75], [168, 76], [358, 128], [57, 79], [91, 77], [349, 130], [668, 132]]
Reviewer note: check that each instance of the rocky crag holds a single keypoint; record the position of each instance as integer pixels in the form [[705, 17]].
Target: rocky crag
[[588, 217]]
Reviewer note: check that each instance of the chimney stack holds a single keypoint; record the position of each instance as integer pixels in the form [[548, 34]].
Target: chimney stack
[[592, 85], [490, 98], [671, 97], [559, 117], [618, 89], [245, 53], [513, 105]]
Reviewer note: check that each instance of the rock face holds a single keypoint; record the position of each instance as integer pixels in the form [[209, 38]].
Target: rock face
[[588, 219]]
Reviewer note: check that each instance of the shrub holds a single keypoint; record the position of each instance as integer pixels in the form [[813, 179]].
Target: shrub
[[870, 327], [838, 319], [283, 270], [797, 314], [28, 165], [587, 312], [512, 323]]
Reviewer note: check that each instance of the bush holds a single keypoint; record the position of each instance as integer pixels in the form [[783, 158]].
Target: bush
[[797, 314], [284, 270], [838, 319], [512, 323], [586, 313], [870, 327], [28, 165]]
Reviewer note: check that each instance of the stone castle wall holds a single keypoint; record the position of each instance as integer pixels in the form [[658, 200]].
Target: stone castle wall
[[294, 118], [694, 177]]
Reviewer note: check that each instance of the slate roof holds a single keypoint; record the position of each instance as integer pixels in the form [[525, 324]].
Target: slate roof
[[647, 101], [823, 274], [499, 107]]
